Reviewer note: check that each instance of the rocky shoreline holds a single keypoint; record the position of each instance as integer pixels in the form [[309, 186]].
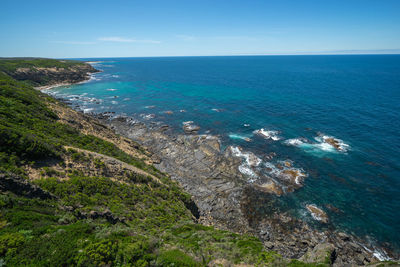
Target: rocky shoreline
[[226, 199]]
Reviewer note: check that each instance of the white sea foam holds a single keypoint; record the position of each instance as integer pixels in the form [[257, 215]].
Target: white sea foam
[[94, 62], [187, 123], [325, 147], [273, 135], [381, 255], [87, 110], [114, 102], [74, 96], [249, 157], [249, 172], [148, 116], [323, 143], [126, 99], [285, 171], [313, 214], [341, 146], [115, 76], [93, 77], [216, 109], [294, 142], [131, 121], [241, 137], [250, 161], [246, 125], [111, 89], [150, 106]]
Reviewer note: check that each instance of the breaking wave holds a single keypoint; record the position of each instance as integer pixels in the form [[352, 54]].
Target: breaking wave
[[268, 134], [322, 144]]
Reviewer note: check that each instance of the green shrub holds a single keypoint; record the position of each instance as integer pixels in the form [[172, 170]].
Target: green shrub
[[176, 258], [136, 253], [97, 254], [268, 257], [10, 242]]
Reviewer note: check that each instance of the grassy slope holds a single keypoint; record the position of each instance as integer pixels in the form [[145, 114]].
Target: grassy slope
[[154, 227]]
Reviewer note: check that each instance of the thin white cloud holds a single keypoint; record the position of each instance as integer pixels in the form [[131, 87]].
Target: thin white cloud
[[127, 40], [186, 38], [243, 38], [73, 42]]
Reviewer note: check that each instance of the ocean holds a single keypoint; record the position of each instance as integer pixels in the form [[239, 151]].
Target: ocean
[[286, 106]]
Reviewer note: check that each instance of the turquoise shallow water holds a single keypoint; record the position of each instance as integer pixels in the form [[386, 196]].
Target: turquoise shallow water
[[352, 98]]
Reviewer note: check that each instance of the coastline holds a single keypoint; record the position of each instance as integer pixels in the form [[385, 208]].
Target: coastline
[[49, 87], [89, 76], [220, 195]]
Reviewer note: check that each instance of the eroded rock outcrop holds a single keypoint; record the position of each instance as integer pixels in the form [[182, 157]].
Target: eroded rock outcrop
[[19, 186]]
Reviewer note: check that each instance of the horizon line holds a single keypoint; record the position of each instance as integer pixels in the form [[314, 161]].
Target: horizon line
[[243, 55], [228, 55]]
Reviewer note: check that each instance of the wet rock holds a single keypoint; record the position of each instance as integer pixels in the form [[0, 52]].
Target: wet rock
[[288, 164], [294, 175], [191, 129], [333, 208], [270, 156], [333, 142], [251, 159], [164, 128], [317, 213], [271, 187]]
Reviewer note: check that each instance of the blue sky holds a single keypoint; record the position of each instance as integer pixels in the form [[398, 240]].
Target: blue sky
[[115, 28]]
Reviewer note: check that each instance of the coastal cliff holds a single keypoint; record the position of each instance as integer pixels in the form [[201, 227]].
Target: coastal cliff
[[47, 72], [79, 190]]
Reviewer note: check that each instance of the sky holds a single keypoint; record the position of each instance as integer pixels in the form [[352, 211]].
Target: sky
[[117, 28]]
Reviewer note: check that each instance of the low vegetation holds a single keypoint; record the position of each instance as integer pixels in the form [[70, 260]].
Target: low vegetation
[[10, 65]]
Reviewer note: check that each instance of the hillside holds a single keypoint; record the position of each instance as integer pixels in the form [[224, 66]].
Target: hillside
[[45, 72], [74, 193]]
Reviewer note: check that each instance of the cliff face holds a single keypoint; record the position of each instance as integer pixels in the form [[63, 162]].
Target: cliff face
[[40, 72], [51, 76]]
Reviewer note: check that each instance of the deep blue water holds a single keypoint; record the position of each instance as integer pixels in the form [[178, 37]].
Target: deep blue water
[[353, 98]]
